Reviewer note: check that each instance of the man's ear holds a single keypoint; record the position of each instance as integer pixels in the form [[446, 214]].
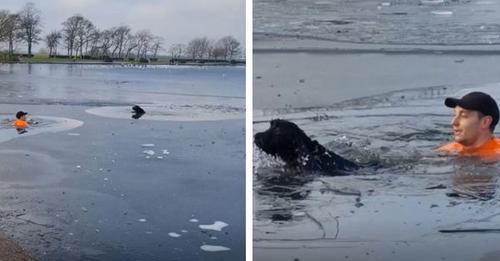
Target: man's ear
[[486, 121]]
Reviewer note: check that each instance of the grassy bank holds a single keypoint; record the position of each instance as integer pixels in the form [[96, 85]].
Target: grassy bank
[[45, 59]]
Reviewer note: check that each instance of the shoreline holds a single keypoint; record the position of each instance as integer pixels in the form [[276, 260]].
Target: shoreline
[[12, 251], [122, 64]]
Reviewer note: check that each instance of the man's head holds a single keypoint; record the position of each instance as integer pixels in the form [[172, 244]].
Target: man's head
[[21, 115], [475, 116]]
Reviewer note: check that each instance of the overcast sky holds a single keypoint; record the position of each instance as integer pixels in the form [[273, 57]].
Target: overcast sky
[[177, 21]]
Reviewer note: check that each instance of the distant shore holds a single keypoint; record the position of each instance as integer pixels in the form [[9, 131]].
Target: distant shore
[[44, 59]]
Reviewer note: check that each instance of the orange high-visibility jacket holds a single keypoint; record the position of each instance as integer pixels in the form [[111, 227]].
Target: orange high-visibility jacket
[[489, 151], [20, 124]]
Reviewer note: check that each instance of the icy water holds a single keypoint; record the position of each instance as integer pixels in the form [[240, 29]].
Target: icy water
[[367, 79], [111, 84], [88, 182], [387, 213], [444, 22]]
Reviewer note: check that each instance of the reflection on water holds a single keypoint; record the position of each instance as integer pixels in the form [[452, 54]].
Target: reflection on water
[[49, 83]]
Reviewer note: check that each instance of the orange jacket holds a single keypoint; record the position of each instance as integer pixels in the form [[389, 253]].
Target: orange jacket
[[20, 124], [488, 151]]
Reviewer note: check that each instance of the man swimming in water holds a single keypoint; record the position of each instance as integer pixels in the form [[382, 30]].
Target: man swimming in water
[[20, 123], [475, 117]]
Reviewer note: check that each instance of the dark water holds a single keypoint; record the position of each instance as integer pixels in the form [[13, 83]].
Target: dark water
[[386, 213], [367, 79], [80, 186]]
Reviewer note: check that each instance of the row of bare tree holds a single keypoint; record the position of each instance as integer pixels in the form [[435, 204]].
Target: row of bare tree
[[82, 38], [79, 37], [226, 48]]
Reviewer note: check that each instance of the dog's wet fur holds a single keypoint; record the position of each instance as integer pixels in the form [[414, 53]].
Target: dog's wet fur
[[137, 112], [284, 139]]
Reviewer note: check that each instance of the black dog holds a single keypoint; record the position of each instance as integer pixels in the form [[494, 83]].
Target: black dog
[[287, 141], [137, 112]]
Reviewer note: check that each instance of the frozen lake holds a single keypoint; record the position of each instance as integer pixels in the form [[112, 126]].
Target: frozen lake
[[443, 22], [88, 182], [367, 79]]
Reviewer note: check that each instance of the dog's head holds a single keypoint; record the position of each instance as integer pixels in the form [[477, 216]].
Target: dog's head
[[137, 112], [283, 139], [137, 109]]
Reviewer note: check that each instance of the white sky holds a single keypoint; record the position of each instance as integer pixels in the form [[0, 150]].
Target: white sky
[[177, 21]]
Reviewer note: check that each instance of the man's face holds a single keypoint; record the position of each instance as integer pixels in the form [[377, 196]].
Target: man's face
[[467, 126], [23, 117]]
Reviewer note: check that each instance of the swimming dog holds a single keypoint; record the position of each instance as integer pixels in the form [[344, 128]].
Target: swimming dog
[[137, 112], [287, 141]]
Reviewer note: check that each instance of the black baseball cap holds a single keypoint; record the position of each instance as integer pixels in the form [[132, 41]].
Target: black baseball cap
[[476, 101], [20, 114]]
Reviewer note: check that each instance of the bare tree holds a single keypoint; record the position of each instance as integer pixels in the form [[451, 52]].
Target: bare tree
[[143, 40], [204, 48], [230, 45], [218, 52], [9, 29], [130, 45], [192, 49], [78, 32], [198, 48], [94, 39], [156, 46], [121, 37], [84, 31], [106, 42], [210, 49], [91, 33], [176, 51], [52, 40], [30, 23], [70, 30]]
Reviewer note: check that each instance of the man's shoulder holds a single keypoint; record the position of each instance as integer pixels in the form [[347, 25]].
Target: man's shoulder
[[452, 147]]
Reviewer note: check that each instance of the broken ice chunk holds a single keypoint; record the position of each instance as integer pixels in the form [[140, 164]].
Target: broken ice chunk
[[148, 145], [149, 152], [173, 234], [142, 220], [210, 248], [217, 226]]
